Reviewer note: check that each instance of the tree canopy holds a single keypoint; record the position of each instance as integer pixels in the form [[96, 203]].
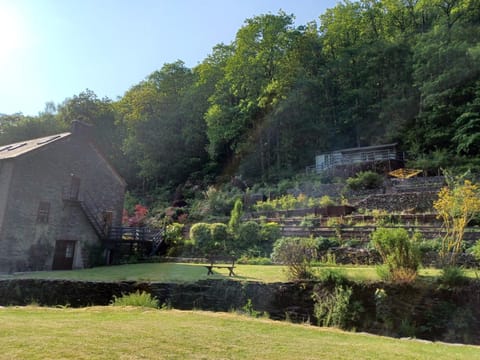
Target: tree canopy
[[363, 73]]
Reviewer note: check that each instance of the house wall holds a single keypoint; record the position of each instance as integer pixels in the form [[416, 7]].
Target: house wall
[[45, 175], [6, 170]]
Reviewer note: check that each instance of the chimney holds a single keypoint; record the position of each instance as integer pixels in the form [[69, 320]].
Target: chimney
[[82, 130]]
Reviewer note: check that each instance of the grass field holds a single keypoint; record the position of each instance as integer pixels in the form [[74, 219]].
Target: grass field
[[173, 272], [139, 333]]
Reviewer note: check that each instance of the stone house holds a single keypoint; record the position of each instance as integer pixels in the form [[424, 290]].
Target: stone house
[[58, 196]]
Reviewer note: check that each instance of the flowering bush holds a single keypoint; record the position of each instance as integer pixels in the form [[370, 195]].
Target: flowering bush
[[137, 218]]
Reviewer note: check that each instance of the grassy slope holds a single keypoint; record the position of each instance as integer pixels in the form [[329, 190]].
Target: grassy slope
[[169, 272], [134, 333]]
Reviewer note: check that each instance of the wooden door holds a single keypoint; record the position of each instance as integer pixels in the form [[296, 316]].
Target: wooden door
[[64, 253]]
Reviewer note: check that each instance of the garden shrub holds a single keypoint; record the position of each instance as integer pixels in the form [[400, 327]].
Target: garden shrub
[[400, 254], [200, 234], [452, 276], [290, 202], [383, 308], [270, 232], [220, 235], [142, 299], [333, 276], [208, 239], [297, 254], [327, 243], [325, 201], [173, 237], [336, 309], [365, 180], [309, 221], [235, 216], [475, 250], [248, 235], [221, 201]]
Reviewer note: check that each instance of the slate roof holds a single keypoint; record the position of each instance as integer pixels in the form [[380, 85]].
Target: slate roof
[[23, 147]]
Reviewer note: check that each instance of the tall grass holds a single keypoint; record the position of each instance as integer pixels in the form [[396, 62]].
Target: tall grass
[[140, 299]]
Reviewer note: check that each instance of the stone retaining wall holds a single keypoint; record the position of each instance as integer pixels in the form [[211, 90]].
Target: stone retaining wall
[[434, 312], [397, 202]]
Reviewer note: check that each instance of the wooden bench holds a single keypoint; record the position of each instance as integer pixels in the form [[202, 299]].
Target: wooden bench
[[215, 260]]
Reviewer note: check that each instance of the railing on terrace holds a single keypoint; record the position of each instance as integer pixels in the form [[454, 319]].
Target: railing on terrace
[[340, 159], [133, 234]]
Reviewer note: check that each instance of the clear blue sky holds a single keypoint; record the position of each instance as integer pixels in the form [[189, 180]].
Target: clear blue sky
[[51, 50]]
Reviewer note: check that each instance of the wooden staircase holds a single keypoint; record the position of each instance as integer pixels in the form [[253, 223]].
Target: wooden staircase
[[140, 241]]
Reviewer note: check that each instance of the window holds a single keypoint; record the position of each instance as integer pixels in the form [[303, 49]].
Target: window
[[43, 212], [69, 250]]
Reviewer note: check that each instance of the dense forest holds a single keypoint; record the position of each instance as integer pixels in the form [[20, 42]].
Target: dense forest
[[364, 73]]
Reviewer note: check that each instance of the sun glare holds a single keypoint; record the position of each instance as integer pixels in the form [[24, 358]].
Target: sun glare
[[12, 32]]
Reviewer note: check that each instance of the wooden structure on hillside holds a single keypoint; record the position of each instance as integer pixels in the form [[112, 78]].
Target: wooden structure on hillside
[[387, 157]]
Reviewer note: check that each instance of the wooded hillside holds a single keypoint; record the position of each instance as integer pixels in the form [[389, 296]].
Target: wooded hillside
[[365, 72]]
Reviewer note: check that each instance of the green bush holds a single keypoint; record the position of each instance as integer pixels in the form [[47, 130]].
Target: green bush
[[141, 299], [327, 243], [200, 234], [270, 232], [475, 250], [336, 309], [400, 254], [210, 239], [219, 234], [235, 216], [365, 180], [452, 276], [290, 202], [297, 254], [220, 202], [326, 201], [333, 276], [248, 235], [173, 237]]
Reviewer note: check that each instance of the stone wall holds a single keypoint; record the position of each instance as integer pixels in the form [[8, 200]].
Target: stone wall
[[433, 312], [397, 202]]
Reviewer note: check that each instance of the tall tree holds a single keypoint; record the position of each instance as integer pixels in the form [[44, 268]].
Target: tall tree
[[256, 79], [163, 117], [100, 113]]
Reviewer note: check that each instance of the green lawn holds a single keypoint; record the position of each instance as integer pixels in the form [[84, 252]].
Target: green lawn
[[174, 272], [139, 333]]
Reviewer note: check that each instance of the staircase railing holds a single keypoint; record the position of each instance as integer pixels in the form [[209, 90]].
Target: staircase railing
[[120, 233], [94, 215]]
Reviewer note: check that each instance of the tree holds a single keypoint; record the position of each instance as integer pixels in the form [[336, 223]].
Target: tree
[[467, 125], [255, 79], [17, 127], [445, 73], [163, 120], [235, 217], [457, 204], [108, 135]]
